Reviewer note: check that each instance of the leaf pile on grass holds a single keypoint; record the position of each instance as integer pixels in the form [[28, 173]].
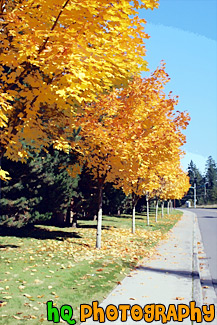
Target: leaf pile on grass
[[63, 265], [116, 243]]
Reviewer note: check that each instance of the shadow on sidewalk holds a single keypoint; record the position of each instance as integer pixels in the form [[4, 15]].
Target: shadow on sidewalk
[[180, 273], [209, 283]]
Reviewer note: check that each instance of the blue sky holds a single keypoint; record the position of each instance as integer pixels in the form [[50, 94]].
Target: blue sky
[[184, 35]]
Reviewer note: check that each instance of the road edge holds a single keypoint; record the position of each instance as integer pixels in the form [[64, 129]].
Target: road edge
[[203, 288]]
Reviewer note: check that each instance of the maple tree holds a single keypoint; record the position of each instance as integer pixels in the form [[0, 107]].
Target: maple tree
[[126, 133], [177, 185], [59, 60], [173, 183], [99, 143], [154, 136], [58, 55]]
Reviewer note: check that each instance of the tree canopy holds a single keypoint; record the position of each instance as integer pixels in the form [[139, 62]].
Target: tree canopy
[[58, 55]]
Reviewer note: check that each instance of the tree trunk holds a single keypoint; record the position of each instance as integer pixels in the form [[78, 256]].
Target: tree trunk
[[68, 213], [134, 203], [70, 216], [168, 207], [59, 219], [134, 213], [134, 220], [147, 205], [156, 210], [73, 219], [99, 219], [162, 209]]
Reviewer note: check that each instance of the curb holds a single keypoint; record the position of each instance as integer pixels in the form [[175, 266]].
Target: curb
[[197, 293], [203, 291], [207, 287]]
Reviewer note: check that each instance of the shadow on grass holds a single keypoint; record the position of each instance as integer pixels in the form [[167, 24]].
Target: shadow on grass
[[8, 246], [85, 226], [37, 233], [125, 217]]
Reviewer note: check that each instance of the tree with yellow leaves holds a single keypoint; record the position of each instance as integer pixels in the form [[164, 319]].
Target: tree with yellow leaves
[[154, 131], [173, 183], [100, 140], [55, 57], [126, 133]]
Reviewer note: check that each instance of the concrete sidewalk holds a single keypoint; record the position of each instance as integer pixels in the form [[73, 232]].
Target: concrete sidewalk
[[171, 277]]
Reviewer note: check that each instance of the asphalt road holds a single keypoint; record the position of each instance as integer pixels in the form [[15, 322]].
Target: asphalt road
[[207, 219]]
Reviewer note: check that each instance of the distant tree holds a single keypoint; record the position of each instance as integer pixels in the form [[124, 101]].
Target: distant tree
[[195, 178], [18, 195], [39, 189], [114, 200], [211, 179], [86, 203]]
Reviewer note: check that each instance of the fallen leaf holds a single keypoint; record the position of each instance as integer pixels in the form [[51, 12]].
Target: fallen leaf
[[27, 295], [3, 303]]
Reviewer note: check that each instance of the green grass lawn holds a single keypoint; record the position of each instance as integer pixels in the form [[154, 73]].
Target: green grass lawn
[[61, 264]]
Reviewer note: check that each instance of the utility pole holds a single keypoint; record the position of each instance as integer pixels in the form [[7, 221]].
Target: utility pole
[[195, 190], [205, 193], [195, 195]]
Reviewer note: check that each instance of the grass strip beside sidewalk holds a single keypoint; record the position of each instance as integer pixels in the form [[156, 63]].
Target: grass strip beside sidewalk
[[61, 264]]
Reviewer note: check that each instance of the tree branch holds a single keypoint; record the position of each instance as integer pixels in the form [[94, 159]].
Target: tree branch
[[54, 25], [1, 7]]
